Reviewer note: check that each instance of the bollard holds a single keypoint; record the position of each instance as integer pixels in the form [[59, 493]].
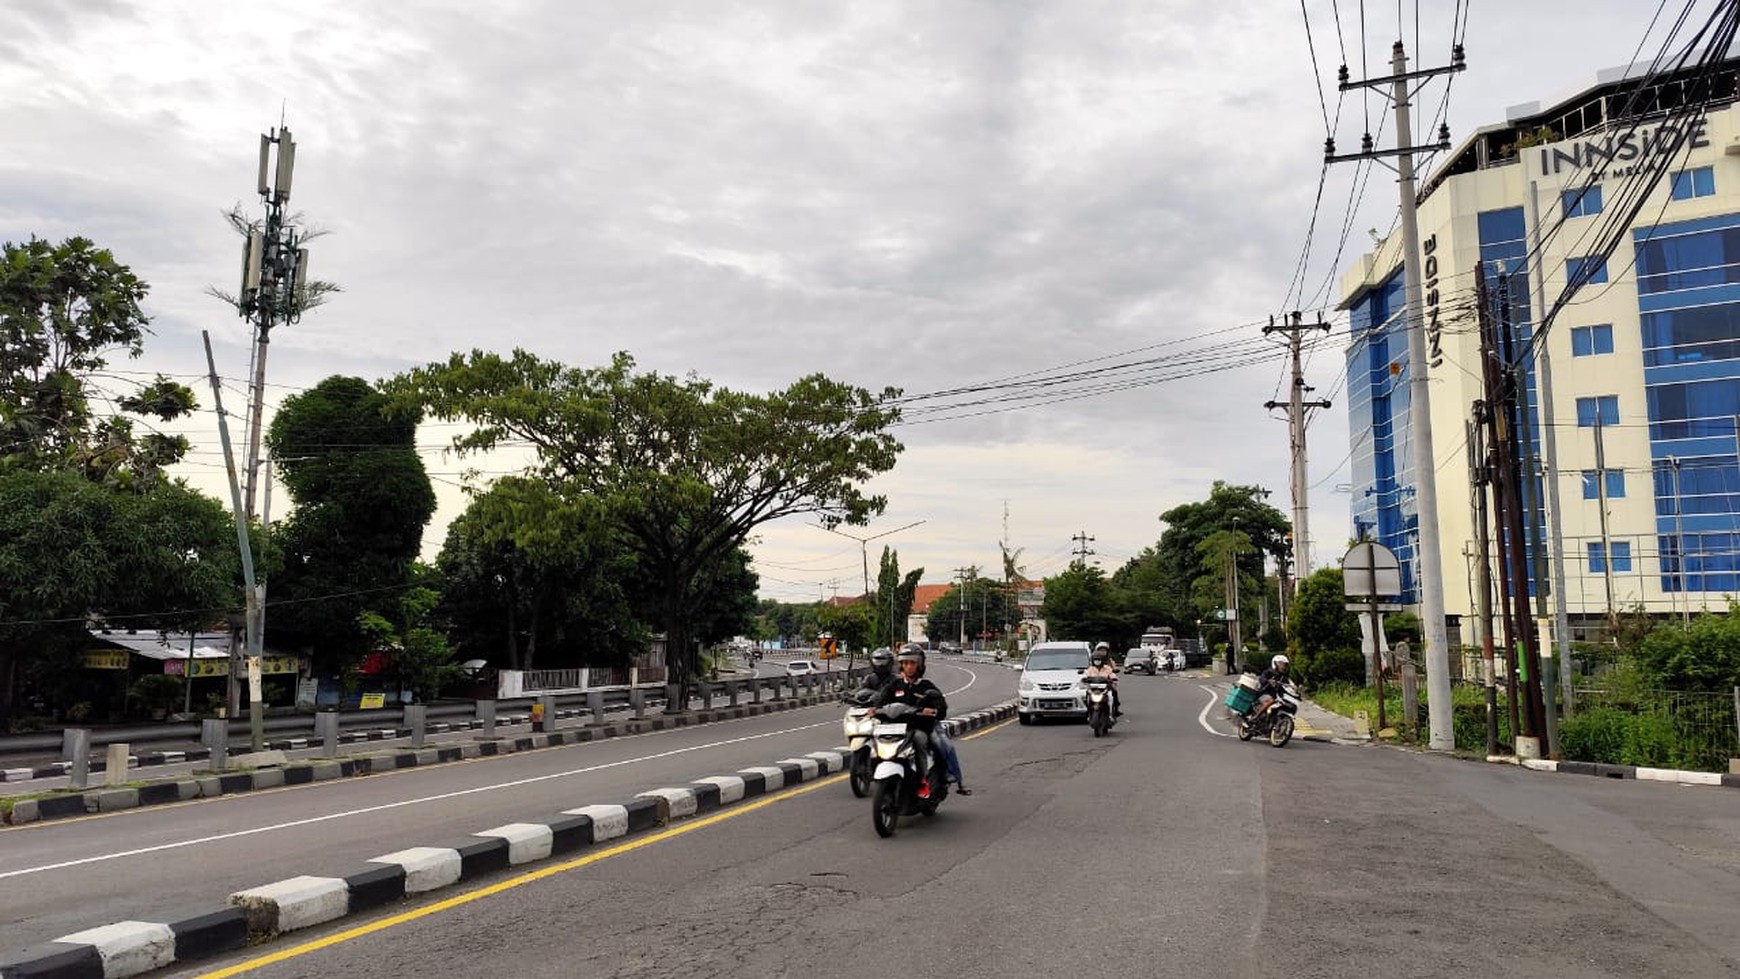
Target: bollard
[[673, 699], [595, 704], [75, 747], [706, 695], [549, 702], [115, 772], [637, 702], [755, 690], [326, 732], [214, 733], [417, 719], [734, 689], [486, 714]]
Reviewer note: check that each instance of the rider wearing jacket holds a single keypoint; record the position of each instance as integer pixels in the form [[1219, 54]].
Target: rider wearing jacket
[[911, 688], [881, 675], [1100, 664], [1270, 683]]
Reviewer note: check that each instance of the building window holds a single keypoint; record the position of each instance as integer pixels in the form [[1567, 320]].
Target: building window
[[1589, 340], [1621, 558], [1592, 266], [1615, 485], [1699, 182], [1607, 405], [1581, 201]]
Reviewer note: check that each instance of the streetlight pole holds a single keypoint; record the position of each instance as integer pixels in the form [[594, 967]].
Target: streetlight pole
[[864, 551]]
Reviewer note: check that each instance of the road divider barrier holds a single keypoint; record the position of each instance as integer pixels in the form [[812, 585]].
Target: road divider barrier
[[158, 792], [258, 914]]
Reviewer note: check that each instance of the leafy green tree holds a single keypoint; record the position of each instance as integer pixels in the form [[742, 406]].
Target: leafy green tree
[[422, 659], [1143, 589], [850, 624], [65, 310], [534, 579], [1323, 637], [689, 468], [787, 621], [893, 599], [982, 605], [362, 499], [1081, 604], [1178, 570], [72, 550]]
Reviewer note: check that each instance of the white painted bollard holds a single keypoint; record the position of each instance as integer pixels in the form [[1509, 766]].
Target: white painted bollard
[[115, 770]]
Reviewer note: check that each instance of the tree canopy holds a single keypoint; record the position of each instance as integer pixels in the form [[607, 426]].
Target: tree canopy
[[688, 468], [362, 500]]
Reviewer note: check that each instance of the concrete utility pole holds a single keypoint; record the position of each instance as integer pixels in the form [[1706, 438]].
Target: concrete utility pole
[[1418, 322], [1297, 406], [965, 576], [256, 719]]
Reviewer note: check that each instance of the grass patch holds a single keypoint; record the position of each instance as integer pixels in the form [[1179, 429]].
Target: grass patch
[[1468, 712]]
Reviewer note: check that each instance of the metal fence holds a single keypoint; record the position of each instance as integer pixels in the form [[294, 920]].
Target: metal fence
[[1687, 729]]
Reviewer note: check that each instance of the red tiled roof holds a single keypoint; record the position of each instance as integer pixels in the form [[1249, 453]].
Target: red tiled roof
[[923, 595]]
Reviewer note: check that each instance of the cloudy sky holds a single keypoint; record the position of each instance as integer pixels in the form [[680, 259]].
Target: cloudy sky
[[920, 194]]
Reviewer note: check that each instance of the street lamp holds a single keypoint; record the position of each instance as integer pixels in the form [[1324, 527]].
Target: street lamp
[[864, 549]]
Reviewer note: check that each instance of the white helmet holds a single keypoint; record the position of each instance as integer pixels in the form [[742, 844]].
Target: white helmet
[[1278, 662]]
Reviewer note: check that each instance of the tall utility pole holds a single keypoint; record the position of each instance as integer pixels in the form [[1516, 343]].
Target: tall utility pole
[[965, 576], [1601, 496], [1296, 406], [256, 713], [1082, 551], [1479, 476], [1417, 321]]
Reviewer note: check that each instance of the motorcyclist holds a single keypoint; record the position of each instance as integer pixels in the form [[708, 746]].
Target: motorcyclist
[[1100, 665], [880, 675], [911, 688], [1270, 683]]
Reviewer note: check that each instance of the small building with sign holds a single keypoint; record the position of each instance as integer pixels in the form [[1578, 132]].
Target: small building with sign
[[203, 657]]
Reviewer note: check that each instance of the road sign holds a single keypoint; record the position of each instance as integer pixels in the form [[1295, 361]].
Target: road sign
[[1370, 569]]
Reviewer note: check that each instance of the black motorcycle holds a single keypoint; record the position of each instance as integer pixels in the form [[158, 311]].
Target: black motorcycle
[[895, 780], [1276, 723]]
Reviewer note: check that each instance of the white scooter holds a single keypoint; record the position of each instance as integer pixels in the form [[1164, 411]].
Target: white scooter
[[860, 728]]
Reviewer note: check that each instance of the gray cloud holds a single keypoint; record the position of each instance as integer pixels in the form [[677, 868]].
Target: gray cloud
[[918, 194]]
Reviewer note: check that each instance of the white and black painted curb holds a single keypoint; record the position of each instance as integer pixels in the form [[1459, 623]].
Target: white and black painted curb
[[318, 770], [1638, 772], [134, 947]]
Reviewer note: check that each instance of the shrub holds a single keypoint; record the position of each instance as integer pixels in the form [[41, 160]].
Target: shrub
[[156, 691], [1332, 666]]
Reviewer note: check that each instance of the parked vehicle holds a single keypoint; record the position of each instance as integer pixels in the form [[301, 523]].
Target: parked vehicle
[[895, 792], [1141, 660], [801, 667], [1099, 704], [1050, 681]]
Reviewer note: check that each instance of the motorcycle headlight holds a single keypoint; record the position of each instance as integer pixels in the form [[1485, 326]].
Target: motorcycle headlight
[[887, 750]]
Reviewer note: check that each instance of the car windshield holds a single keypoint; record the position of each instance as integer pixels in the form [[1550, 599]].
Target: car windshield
[[1058, 659]]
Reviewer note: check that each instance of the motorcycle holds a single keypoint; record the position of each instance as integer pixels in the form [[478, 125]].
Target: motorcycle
[[896, 774], [860, 727], [1276, 723], [1099, 698]]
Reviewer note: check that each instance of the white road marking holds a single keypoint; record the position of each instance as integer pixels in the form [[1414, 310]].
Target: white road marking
[[1202, 718], [430, 798]]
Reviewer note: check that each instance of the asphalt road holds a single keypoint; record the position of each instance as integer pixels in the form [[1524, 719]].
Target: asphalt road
[[62, 876], [1162, 850]]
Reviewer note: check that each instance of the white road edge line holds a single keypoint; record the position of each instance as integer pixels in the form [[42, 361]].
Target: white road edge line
[[1202, 718], [431, 798]]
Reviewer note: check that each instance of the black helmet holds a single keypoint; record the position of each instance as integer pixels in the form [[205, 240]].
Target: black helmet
[[913, 651], [882, 661]]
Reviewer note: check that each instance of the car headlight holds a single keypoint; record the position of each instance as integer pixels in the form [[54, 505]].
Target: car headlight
[[1026, 685]]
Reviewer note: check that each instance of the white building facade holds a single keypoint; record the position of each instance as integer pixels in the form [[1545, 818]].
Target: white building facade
[[1644, 360]]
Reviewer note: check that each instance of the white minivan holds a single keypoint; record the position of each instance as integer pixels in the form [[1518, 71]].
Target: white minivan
[[1051, 681]]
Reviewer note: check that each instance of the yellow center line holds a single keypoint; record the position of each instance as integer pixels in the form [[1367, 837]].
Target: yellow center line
[[529, 877]]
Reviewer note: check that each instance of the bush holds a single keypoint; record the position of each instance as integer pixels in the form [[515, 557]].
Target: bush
[[1332, 666], [156, 691], [1617, 737]]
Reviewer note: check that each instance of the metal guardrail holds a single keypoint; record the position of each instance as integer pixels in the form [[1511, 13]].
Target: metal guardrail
[[303, 725]]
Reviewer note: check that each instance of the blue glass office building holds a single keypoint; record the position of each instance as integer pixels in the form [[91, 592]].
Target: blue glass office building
[[1642, 364]]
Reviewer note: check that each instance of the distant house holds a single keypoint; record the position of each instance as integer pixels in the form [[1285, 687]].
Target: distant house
[[922, 598]]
